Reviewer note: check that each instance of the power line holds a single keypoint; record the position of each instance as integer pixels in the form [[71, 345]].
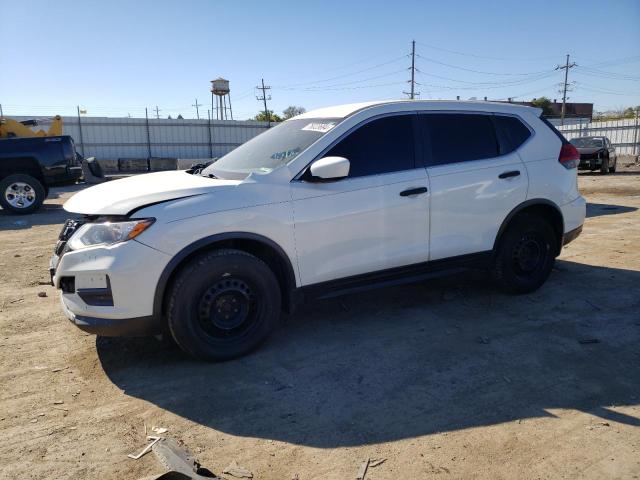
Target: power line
[[502, 83], [479, 71], [326, 87], [509, 59], [344, 75]]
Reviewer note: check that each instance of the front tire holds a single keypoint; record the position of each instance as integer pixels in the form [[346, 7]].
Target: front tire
[[615, 164], [21, 193], [604, 167], [525, 255], [223, 304]]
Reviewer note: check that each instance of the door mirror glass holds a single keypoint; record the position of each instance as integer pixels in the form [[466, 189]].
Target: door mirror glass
[[330, 168]]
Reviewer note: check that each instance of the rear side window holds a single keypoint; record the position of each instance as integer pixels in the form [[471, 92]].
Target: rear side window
[[512, 133], [380, 146], [456, 137]]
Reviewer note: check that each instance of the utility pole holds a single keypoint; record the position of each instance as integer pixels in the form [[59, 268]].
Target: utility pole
[[80, 128], [197, 111], [264, 99], [413, 68], [566, 68], [157, 111], [635, 135], [412, 94], [1, 114]]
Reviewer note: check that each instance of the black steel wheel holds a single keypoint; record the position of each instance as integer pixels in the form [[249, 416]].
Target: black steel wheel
[[222, 304], [525, 255]]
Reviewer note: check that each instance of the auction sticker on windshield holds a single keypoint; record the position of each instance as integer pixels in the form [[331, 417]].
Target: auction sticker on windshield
[[322, 127]]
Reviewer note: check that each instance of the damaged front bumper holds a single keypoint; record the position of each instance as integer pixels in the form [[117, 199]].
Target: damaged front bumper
[[109, 290]]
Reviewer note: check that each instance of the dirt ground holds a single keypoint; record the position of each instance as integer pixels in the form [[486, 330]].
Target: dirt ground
[[444, 379]]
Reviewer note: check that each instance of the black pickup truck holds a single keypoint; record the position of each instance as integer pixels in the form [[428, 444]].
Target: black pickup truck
[[29, 166]]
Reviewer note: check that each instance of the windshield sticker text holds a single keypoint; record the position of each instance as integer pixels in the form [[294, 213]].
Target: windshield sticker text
[[319, 127], [286, 154]]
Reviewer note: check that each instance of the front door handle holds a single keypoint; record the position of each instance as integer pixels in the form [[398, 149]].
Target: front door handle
[[512, 173], [413, 191]]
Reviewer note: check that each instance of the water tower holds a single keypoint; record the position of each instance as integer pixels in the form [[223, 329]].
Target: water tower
[[221, 92]]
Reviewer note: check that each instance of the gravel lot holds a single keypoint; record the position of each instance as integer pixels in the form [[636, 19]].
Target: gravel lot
[[444, 379]]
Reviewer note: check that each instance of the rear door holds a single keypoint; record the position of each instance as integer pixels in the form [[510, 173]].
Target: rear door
[[476, 179], [370, 220]]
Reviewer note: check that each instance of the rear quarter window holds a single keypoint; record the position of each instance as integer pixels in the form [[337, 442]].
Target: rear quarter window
[[511, 132]]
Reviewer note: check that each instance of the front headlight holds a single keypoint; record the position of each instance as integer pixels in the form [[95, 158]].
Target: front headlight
[[107, 233]]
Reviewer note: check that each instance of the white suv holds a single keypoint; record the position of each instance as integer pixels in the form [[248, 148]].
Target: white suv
[[332, 201]]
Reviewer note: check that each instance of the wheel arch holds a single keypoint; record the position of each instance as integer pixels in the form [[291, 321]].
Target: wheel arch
[[21, 165], [539, 206], [262, 247]]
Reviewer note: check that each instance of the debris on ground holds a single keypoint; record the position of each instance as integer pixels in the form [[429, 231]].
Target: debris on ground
[[42, 294], [146, 449], [376, 462], [362, 471], [483, 340], [237, 471], [585, 341], [181, 462], [159, 430]]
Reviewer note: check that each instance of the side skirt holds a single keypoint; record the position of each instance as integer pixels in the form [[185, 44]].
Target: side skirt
[[393, 276]]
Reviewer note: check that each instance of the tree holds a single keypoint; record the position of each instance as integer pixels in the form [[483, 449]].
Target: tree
[[544, 103], [180, 117], [292, 111], [272, 117]]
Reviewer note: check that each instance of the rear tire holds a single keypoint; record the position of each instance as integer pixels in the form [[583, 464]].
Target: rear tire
[[21, 194], [223, 304], [525, 255]]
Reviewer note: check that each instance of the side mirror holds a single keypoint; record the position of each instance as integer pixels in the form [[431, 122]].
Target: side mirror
[[330, 168]]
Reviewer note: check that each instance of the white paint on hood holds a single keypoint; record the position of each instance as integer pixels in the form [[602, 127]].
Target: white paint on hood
[[119, 197]]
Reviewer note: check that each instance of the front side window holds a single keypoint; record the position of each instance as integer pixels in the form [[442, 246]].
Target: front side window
[[271, 149], [381, 146], [458, 137]]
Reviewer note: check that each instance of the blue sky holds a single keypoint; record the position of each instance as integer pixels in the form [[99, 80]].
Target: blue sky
[[115, 57]]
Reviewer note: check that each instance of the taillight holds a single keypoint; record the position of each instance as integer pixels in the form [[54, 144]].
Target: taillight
[[569, 156]]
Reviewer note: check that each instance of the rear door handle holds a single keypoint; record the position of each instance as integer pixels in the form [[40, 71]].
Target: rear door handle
[[413, 191], [512, 173]]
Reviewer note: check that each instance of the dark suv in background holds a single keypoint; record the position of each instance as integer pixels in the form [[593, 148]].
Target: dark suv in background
[[596, 153], [29, 166]]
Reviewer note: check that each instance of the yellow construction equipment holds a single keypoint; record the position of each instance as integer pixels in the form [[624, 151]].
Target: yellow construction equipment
[[10, 128]]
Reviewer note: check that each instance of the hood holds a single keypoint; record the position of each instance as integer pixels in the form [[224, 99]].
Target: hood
[[119, 197], [589, 150]]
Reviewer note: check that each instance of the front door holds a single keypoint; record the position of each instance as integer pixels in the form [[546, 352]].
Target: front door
[[374, 219]]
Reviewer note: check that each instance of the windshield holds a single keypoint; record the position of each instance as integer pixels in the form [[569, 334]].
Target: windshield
[[586, 142], [271, 149]]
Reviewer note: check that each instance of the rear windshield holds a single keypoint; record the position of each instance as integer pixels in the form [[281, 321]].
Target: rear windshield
[[271, 149], [587, 142]]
